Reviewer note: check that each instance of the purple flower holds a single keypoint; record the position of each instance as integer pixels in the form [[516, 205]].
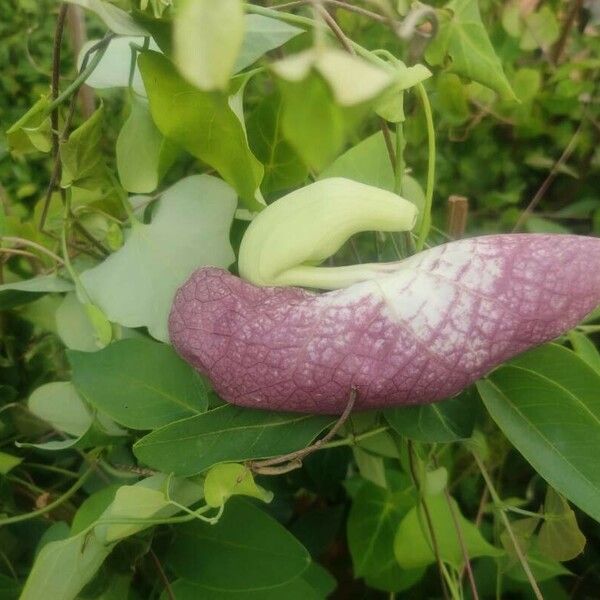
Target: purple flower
[[423, 332]]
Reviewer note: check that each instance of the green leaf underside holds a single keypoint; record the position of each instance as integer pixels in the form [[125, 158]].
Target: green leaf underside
[[261, 35], [246, 550], [546, 402], [140, 384], [226, 434], [135, 286]]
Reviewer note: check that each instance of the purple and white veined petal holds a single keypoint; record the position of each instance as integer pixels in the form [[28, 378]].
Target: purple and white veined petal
[[440, 321]]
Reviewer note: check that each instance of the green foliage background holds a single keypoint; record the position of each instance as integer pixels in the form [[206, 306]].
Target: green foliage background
[[95, 451]]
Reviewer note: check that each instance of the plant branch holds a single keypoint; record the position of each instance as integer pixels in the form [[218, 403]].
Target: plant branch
[[55, 82], [162, 575], [50, 507], [519, 551], [549, 179], [339, 4], [422, 503], [336, 29], [426, 221], [25, 242], [78, 36], [559, 46], [461, 541], [308, 22], [293, 460], [84, 73]]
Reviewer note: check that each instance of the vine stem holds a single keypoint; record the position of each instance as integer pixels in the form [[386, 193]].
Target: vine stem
[[65, 251], [25, 242], [519, 551], [351, 440], [162, 575], [288, 462], [433, 539], [50, 507], [426, 222], [461, 540], [307, 21], [338, 4], [399, 165], [99, 49], [86, 70], [55, 82]]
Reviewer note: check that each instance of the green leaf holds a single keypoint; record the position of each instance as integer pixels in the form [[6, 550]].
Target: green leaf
[[326, 93], [412, 545], [351, 79], [63, 567], [372, 523], [41, 284], [101, 327], [585, 349], [133, 501], [261, 35], [207, 37], [540, 29], [226, 434], [446, 421], [146, 499], [546, 402], [370, 466], [33, 130], [367, 162], [231, 479], [115, 18], [92, 507], [73, 325], [451, 99], [296, 589], [202, 123], [391, 106], [541, 225], [59, 404], [82, 161], [135, 286], [140, 384], [140, 147], [8, 462], [542, 567], [322, 582], [10, 589], [463, 38], [113, 69], [283, 167], [245, 550], [559, 537]]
